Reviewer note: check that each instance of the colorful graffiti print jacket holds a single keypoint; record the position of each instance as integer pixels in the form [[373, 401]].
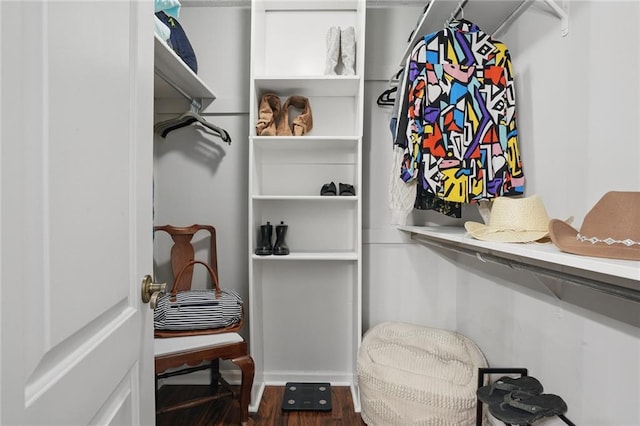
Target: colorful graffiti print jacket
[[462, 139]]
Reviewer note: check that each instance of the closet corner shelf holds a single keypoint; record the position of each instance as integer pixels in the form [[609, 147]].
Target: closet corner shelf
[[309, 137], [342, 256], [271, 5], [323, 198], [307, 142], [175, 80], [326, 85], [620, 278]]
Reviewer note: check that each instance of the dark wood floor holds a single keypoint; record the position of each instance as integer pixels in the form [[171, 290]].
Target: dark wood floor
[[226, 413]]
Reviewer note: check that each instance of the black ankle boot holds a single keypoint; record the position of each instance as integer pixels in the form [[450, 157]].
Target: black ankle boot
[[264, 244], [280, 248]]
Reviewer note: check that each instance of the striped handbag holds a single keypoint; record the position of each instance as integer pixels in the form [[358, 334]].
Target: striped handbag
[[182, 313]]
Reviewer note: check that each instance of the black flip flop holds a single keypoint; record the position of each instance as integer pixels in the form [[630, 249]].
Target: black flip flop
[[328, 189], [346, 189], [495, 392], [523, 408]]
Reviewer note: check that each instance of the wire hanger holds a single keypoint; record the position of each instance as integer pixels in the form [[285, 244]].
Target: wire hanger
[[459, 10], [164, 127]]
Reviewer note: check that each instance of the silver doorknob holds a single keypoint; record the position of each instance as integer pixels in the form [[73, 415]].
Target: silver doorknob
[[152, 291]]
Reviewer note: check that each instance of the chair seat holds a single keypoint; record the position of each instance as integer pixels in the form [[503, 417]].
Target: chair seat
[[172, 345]]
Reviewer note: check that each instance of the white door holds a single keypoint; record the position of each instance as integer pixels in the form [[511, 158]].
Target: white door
[[75, 212]]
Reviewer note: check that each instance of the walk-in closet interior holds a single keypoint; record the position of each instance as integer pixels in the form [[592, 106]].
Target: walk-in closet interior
[[573, 321]]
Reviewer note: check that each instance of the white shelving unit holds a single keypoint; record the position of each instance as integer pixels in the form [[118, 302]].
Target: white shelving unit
[[305, 307]]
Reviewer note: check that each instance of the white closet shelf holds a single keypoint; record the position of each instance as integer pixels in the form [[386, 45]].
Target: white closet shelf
[[297, 5], [617, 277], [175, 80], [322, 198], [343, 256], [274, 141], [307, 143], [308, 85]]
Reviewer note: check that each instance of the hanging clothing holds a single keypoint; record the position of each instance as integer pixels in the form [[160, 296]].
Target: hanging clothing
[[462, 139], [402, 195], [406, 196]]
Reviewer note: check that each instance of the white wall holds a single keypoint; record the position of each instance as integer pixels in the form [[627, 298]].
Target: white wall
[[579, 123]]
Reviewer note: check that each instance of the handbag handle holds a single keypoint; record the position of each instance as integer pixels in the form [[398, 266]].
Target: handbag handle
[[214, 278]]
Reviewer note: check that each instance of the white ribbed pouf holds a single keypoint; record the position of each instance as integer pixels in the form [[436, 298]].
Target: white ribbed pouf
[[415, 375]]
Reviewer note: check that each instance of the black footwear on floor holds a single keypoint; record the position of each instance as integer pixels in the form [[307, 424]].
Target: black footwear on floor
[[522, 408], [495, 392]]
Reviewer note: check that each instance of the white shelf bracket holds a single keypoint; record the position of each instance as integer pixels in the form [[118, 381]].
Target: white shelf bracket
[[196, 105], [563, 14], [553, 284]]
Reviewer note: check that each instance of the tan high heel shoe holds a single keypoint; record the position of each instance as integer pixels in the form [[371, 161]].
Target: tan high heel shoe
[[301, 124], [268, 112]]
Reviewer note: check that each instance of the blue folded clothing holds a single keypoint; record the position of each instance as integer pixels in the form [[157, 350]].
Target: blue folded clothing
[[179, 41]]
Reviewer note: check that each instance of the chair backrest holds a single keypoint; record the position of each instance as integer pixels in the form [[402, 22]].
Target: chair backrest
[[182, 251]]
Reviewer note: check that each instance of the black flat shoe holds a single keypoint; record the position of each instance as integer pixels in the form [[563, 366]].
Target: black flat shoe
[[346, 189], [520, 407], [328, 189], [495, 392]]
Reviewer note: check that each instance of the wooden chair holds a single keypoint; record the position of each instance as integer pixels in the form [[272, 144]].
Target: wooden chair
[[184, 352]]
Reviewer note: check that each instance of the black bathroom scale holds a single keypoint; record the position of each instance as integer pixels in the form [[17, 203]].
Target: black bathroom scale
[[307, 397]]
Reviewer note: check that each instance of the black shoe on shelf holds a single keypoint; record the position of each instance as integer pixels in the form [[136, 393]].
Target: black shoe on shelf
[[328, 189], [280, 247], [346, 189], [265, 247]]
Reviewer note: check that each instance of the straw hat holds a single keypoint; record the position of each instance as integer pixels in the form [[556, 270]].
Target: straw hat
[[611, 229], [513, 220]]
